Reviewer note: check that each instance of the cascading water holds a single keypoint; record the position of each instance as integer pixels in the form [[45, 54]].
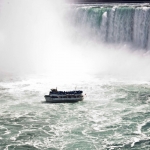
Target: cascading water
[[116, 24]]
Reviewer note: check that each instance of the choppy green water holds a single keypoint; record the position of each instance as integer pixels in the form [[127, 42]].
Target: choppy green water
[[113, 115]]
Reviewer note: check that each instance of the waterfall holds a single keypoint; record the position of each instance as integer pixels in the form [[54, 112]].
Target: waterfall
[[115, 24]]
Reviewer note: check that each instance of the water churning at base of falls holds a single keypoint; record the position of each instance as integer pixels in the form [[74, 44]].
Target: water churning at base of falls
[[113, 115]]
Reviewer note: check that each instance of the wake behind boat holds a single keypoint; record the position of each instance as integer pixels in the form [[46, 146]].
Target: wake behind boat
[[63, 96]]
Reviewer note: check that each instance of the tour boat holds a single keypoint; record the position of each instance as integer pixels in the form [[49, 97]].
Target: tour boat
[[63, 96]]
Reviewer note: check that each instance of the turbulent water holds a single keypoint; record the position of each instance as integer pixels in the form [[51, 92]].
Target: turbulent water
[[115, 111], [113, 115]]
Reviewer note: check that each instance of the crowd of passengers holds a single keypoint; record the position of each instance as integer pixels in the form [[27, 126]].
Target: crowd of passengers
[[67, 96], [65, 92]]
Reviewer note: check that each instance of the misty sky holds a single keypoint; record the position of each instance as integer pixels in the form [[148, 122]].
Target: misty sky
[[33, 37], [27, 30]]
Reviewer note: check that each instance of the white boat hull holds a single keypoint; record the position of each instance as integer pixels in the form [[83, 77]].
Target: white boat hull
[[62, 100]]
